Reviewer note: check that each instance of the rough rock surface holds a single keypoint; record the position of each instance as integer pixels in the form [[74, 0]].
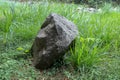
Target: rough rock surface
[[53, 40]]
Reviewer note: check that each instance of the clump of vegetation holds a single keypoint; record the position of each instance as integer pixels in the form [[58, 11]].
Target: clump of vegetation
[[96, 54], [86, 52]]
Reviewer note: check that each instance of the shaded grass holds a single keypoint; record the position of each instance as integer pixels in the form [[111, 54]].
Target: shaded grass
[[20, 22]]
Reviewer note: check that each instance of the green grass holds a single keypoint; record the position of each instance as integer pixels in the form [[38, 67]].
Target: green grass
[[97, 51]]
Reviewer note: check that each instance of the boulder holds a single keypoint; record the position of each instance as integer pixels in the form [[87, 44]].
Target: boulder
[[55, 37]]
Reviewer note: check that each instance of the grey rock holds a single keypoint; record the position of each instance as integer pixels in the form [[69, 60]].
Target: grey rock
[[54, 39]]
